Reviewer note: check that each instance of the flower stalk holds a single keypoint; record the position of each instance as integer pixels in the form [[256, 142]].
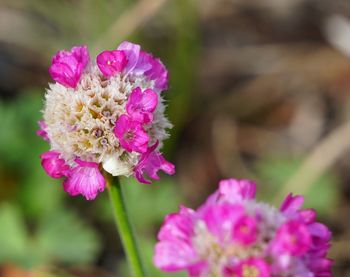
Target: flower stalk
[[124, 226]]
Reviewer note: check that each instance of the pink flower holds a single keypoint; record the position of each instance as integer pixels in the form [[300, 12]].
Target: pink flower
[[292, 204], [232, 234], [68, 66], [255, 267], [150, 163], [220, 219], [154, 69], [175, 251], [132, 52], [41, 132], [53, 165], [141, 62], [141, 105], [233, 189], [245, 230], [131, 135], [293, 238], [85, 179], [111, 62]]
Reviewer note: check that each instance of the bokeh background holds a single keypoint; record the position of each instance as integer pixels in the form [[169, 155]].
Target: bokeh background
[[258, 89]]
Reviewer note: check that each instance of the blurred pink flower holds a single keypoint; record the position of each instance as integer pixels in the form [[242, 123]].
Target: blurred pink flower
[[245, 230], [255, 267], [293, 238], [68, 66], [232, 234]]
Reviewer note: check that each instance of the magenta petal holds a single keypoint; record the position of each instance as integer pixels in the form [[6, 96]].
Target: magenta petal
[[245, 230], [154, 69], [158, 73], [174, 255], [111, 62], [53, 165], [41, 132], [293, 237], [231, 190], [132, 52], [141, 105], [150, 163], [68, 66], [178, 226], [221, 219], [85, 179], [308, 215], [292, 204], [131, 135]]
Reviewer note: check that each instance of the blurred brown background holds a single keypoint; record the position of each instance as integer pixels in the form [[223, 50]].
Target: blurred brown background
[[258, 89]]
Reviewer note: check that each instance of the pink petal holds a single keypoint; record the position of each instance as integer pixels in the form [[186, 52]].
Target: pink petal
[[68, 66], [293, 238], [154, 69], [178, 226], [245, 230], [232, 190], [150, 163], [41, 132], [141, 105], [53, 165], [111, 62], [292, 204], [174, 255], [85, 179], [131, 135], [220, 219], [132, 52]]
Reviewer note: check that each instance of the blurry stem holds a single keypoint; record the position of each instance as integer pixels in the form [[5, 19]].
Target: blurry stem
[[324, 155], [124, 226]]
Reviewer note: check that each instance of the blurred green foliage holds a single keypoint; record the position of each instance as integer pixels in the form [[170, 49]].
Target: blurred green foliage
[[273, 173]]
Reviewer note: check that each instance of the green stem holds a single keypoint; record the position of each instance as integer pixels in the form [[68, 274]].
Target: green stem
[[124, 226]]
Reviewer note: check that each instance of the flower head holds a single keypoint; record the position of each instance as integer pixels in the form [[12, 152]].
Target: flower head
[[107, 112], [232, 235]]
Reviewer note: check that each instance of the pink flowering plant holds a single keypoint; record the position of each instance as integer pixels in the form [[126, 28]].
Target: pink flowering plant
[[233, 235], [104, 118], [104, 114]]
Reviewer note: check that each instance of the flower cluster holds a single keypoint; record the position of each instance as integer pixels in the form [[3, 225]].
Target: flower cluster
[[108, 114], [232, 234]]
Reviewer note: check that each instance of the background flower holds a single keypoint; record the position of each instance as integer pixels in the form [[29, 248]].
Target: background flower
[[234, 235]]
